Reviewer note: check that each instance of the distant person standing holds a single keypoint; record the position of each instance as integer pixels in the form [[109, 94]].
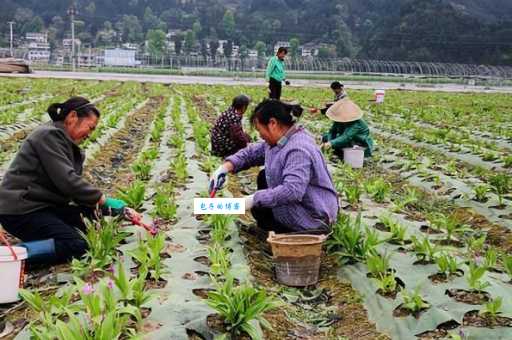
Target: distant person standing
[[276, 74]]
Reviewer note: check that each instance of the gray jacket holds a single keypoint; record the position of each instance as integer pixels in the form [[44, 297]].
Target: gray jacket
[[46, 172]]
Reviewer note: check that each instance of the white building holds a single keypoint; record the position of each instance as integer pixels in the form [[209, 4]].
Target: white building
[[38, 55], [67, 43], [309, 50], [220, 49], [120, 57], [36, 37], [281, 44], [38, 47]]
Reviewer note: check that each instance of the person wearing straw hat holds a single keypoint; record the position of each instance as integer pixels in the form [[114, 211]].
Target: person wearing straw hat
[[43, 196], [348, 129]]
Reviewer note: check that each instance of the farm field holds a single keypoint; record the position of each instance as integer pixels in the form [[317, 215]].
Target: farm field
[[422, 248]]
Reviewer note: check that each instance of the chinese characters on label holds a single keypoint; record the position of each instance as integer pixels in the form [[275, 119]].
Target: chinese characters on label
[[224, 206]]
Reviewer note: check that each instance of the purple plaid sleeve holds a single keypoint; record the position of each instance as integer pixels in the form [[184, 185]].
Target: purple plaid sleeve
[[252, 155], [295, 180]]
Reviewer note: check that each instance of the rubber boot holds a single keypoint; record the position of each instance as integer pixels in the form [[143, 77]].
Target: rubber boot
[[40, 252]]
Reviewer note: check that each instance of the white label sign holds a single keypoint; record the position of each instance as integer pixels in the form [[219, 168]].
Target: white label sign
[[224, 206]]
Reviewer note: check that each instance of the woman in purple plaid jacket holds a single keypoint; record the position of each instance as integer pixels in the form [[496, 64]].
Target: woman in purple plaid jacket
[[295, 190]]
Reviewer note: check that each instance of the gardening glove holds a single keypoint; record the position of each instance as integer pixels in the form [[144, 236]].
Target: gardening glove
[[287, 82], [249, 202], [114, 206], [218, 179]]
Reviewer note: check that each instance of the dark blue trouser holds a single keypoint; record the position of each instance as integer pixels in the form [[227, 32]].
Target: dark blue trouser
[[61, 224]]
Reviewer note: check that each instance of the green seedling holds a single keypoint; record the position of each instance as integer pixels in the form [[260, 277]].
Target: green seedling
[[220, 259], [501, 185], [492, 308], [147, 255], [410, 198], [447, 264], [220, 221], [180, 167], [201, 135], [49, 309], [490, 156], [156, 133], [177, 141], [150, 154], [349, 242], [507, 161], [209, 164], [165, 206], [413, 301], [481, 192], [507, 265], [475, 277], [112, 120], [451, 168], [425, 250], [378, 265], [103, 237], [142, 170], [156, 246], [378, 189], [450, 224], [398, 233], [219, 225], [106, 315], [132, 289], [240, 306], [491, 258], [353, 194], [99, 314], [133, 195], [386, 283], [476, 245]]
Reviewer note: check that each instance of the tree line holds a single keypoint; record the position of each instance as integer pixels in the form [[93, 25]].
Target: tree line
[[417, 30]]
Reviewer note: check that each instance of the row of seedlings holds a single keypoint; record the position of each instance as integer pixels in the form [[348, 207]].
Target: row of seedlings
[[239, 306], [401, 255], [110, 289]]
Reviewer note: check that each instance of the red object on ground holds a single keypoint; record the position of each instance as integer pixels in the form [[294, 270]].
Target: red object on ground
[[136, 219]]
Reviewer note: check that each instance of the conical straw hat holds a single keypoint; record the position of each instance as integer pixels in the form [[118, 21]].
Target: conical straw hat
[[344, 111]]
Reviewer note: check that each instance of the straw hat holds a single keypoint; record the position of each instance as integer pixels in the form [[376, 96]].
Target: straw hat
[[344, 111]]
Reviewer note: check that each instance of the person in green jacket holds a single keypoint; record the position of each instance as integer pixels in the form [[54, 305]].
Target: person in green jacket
[[276, 74], [349, 128]]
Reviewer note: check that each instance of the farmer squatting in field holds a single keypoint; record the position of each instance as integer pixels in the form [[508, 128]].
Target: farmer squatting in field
[[227, 135], [43, 195], [295, 190]]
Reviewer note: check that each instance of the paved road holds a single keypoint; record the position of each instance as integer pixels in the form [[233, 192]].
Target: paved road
[[174, 79]]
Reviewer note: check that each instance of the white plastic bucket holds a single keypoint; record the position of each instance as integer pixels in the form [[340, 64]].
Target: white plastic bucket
[[13, 273], [354, 156], [379, 96]]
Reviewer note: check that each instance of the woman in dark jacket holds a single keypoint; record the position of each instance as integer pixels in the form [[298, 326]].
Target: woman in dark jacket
[[227, 135], [45, 177]]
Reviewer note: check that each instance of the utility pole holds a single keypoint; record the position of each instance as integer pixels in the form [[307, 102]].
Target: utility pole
[[72, 12], [11, 46]]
